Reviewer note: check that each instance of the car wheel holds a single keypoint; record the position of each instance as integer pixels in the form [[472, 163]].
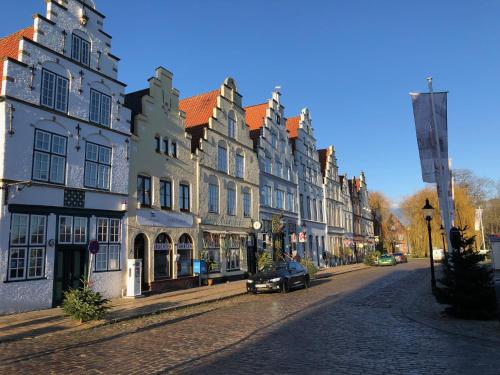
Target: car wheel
[[307, 282], [285, 286]]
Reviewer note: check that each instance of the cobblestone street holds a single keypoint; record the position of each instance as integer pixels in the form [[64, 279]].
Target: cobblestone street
[[355, 323]]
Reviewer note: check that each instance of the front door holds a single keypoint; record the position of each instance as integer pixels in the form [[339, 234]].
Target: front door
[[70, 269], [251, 254], [139, 250]]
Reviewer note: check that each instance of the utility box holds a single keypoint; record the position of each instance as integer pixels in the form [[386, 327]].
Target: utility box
[[134, 270], [495, 251]]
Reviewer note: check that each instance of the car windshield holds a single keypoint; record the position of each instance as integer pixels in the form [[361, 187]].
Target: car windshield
[[398, 254], [385, 256], [274, 267]]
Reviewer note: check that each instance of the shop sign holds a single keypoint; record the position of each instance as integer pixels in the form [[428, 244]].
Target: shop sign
[[294, 237], [185, 246], [163, 246]]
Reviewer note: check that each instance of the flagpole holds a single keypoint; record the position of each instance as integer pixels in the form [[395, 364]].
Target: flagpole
[[440, 178]]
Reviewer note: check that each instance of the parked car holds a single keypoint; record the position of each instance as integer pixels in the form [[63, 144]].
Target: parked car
[[386, 260], [438, 255], [279, 276], [400, 258]]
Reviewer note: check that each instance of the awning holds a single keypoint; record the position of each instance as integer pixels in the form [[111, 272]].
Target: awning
[[168, 219]]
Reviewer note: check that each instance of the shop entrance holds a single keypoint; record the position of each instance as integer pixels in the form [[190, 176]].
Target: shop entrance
[[252, 253], [70, 269], [139, 251]]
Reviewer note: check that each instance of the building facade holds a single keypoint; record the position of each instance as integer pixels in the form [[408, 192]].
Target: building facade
[[278, 177], [334, 205], [348, 215], [311, 197], [367, 227], [63, 158], [228, 179], [162, 225]]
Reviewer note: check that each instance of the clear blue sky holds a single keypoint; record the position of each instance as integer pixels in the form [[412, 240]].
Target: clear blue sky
[[352, 63]]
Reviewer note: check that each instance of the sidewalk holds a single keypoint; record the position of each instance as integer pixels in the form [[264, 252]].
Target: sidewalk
[[35, 323]]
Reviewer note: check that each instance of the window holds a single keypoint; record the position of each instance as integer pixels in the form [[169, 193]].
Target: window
[[301, 203], [97, 166], [315, 210], [279, 199], [100, 108], [320, 208], [49, 157], [65, 229], [174, 149], [80, 50], [222, 159], [165, 146], [37, 229], [289, 202], [185, 252], [109, 238], [166, 194], [266, 196], [239, 166], [274, 140], [157, 144], [308, 207], [80, 230], [54, 91], [247, 203], [27, 251], [231, 125], [233, 252], [231, 200], [277, 172], [267, 164], [184, 197], [211, 246], [144, 190], [213, 197], [282, 146]]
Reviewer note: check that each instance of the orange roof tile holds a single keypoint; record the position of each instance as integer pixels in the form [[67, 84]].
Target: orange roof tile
[[255, 115], [9, 45], [199, 108], [292, 124]]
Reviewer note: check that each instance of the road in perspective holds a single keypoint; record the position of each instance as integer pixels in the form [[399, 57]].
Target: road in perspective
[[354, 323]]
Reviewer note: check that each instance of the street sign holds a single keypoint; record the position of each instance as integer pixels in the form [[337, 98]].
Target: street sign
[[199, 266], [93, 247]]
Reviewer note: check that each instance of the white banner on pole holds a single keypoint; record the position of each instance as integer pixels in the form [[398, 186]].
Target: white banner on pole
[[422, 112], [477, 219]]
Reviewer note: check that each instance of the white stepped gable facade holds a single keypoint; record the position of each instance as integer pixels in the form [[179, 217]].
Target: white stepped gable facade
[[64, 150]]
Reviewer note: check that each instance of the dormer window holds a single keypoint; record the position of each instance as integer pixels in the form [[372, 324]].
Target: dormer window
[[80, 50]]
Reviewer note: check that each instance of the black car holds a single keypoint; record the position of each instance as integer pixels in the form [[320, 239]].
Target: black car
[[279, 276]]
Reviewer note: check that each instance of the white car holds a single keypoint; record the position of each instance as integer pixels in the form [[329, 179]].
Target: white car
[[438, 255]]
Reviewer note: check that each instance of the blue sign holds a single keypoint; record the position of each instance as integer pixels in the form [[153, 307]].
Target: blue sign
[[199, 266]]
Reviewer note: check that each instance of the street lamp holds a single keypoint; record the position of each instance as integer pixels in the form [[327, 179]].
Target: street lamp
[[441, 229], [428, 212]]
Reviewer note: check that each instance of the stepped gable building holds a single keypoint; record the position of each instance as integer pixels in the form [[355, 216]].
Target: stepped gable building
[[367, 226], [311, 196], [63, 158], [162, 223], [348, 219], [228, 179], [334, 210], [354, 188], [278, 176]]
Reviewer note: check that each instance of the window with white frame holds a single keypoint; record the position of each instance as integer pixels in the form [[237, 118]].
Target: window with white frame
[[282, 146], [213, 196], [80, 230], [166, 194], [80, 50], [247, 203], [274, 140], [97, 166], [27, 247], [266, 196], [231, 125], [289, 202], [49, 157], [109, 238], [65, 230], [222, 159], [239, 166], [277, 171], [267, 164], [100, 108], [54, 92], [231, 200]]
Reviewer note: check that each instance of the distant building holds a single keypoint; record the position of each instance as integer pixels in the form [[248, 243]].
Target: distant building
[[228, 179], [311, 196], [348, 215], [278, 175]]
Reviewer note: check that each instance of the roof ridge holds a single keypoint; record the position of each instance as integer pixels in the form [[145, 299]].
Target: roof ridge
[[203, 93]]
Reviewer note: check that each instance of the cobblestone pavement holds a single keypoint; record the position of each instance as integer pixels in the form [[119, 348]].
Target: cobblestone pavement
[[348, 324]]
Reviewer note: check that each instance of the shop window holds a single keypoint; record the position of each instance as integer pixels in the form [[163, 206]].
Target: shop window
[[162, 257], [211, 249], [185, 256]]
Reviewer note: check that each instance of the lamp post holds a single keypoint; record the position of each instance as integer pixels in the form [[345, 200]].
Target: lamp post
[[441, 228], [428, 212]]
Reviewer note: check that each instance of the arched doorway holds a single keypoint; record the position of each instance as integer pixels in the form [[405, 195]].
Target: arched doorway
[[139, 253], [162, 257], [185, 256]]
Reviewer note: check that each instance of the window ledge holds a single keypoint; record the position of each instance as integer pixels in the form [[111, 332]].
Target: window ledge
[[23, 280], [107, 271]]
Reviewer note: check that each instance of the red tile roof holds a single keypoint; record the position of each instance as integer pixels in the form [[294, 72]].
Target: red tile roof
[[9, 45], [199, 108], [322, 160], [255, 115], [292, 124]]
